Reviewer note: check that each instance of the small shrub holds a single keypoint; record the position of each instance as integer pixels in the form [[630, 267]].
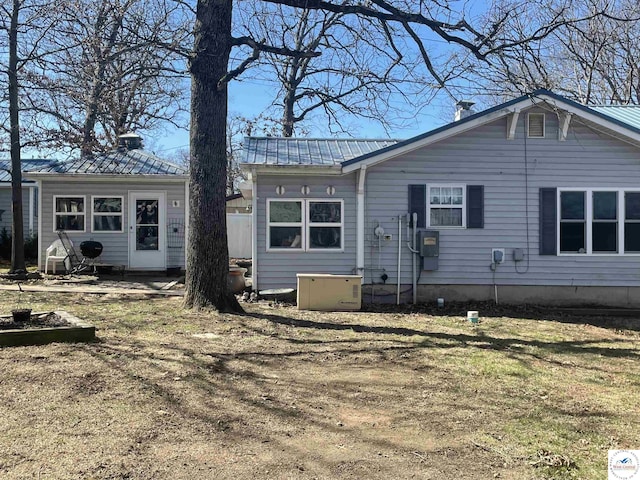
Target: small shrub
[[30, 246], [5, 244]]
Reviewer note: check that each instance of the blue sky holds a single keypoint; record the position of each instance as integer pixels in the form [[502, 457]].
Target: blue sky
[[250, 98]]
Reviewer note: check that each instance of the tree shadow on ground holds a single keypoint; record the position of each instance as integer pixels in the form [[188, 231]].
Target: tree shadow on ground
[[625, 319], [480, 339]]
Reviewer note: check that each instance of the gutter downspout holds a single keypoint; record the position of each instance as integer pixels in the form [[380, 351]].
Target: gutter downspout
[[362, 173], [39, 184], [32, 209], [254, 230]]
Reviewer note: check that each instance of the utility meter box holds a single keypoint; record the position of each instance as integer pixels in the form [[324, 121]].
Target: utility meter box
[[429, 248], [319, 291], [429, 243]]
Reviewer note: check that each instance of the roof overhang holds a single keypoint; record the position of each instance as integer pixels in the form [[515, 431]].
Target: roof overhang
[[292, 169], [544, 99], [101, 177]]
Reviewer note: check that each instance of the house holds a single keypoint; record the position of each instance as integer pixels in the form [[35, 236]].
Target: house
[[129, 200], [29, 196], [536, 200], [236, 203]]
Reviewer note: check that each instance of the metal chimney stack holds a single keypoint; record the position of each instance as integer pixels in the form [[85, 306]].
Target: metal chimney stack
[[464, 109], [129, 141]]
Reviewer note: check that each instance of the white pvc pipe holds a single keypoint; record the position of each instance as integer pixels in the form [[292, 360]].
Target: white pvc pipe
[[411, 245], [399, 257], [414, 250]]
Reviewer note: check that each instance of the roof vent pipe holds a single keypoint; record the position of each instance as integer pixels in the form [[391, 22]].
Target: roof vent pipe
[[129, 141], [463, 109]]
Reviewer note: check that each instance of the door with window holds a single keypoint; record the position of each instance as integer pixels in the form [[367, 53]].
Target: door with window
[[147, 230]]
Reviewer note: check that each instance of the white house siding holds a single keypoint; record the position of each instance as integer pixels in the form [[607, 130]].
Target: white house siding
[[278, 269], [5, 204], [116, 247], [485, 157]]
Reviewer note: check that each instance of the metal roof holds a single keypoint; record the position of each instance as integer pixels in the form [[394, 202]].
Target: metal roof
[[629, 114], [307, 151], [117, 162], [28, 164]]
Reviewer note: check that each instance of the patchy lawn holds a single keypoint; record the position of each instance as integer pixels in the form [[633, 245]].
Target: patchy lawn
[[284, 394]]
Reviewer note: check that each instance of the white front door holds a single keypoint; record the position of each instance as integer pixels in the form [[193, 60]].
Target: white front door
[[147, 230]]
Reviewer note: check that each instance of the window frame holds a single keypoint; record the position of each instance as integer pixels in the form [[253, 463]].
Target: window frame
[[107, 214], [305, 225], [462, 206], [56, 213], [589, 220], [544, 124]]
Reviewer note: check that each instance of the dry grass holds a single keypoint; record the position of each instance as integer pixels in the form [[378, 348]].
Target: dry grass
[[279, 393]]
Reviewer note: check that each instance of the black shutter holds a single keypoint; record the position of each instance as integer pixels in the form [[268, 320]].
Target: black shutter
[[548, 221], [418, 203], [475, 206]]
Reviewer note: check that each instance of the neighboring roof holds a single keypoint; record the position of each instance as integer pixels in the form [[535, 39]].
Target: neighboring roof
[[117, 162], [233, 196], [629, 114], [27, 164], [307, 151]]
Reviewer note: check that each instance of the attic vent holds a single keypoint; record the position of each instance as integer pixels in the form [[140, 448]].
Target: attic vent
[[535, 125]]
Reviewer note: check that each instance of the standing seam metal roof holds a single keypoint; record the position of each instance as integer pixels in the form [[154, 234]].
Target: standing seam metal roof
[[307, 151], [28, 164], [126, 162], [629, 114]]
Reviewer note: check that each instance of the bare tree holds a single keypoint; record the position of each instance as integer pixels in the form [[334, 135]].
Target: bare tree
[[594, 61], [360, 69], [116, 68], [25, 24], [211, 70]]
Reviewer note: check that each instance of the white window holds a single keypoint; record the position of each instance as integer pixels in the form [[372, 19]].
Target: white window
[[106, 214], [535, 125], [305, 225], [447, 206], [69, 213], [598, 221]]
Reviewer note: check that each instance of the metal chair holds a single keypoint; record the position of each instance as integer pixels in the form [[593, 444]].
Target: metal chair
[[77, 265]]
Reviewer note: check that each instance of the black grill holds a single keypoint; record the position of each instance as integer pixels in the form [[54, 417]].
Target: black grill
[[91, 249]]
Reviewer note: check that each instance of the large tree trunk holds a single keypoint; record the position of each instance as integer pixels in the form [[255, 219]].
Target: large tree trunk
[[207, 253], [17, 224]]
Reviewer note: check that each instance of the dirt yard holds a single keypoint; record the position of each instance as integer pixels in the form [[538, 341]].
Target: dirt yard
[[284, 394]]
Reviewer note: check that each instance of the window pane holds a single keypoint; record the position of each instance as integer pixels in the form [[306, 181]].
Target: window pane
[[71, 204], [572, 205], [324, 212], [146, 238], [70, 222], [285, 237], [632, 205], [605, 237], [106, 204], [572, 237], [632, 237], [605, 205], [285, 212], [435, 196], [445, 196], [107, 223], [147, 212], [324, 237], [456, 196], [446, 217]]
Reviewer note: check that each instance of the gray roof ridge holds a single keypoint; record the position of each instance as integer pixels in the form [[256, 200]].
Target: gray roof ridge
[[316, 139]]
